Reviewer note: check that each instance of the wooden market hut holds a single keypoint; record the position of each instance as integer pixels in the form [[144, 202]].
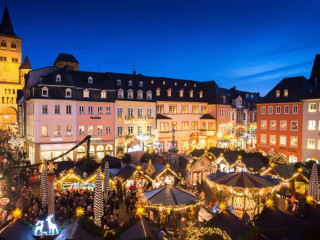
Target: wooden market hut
[[75, 230], [141, 228], [222, 164], [229, 223], [68, 180], [133, 176], [200, 168], [16, 230], [275, 224]]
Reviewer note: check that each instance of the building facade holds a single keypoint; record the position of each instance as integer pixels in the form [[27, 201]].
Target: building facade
[[280, 118]]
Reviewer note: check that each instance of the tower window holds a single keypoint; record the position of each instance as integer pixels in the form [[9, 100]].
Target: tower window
[[13, 45], [3, 44], [90, 80], [58, 78]]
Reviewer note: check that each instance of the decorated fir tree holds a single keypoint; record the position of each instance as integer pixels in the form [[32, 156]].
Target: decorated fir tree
[[106, 183], [314, 183], [98, 200], [44, 185]]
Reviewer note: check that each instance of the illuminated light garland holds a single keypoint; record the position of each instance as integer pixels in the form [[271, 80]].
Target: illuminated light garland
[[198, 233], [167, 169], [314, 183], [98, 200], [173, 207], [191, 164], [269, 203]]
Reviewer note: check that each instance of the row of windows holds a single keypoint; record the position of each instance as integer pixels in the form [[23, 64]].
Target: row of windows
[[4, 44], [130, 112], [285, 93], [224, 113], [313, 107], [68, 130], [312, 125], [184, 109], [282, 140], [181, 92], [68, 110], [4, 59], [9, 91], [152, 82], [195, 125], [283, 125], [7, 100], [131, 131], [130, 94], [286, 109]]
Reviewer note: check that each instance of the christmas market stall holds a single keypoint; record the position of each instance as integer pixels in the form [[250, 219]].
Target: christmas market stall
[[243, 191], [199, 168], [169, 205], [161, 175], [222, 164], [132, 177], [69, 180]]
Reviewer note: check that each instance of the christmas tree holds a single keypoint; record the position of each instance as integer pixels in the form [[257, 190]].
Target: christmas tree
[[106, 183], [314, 183], [44, 185], [98, 200]]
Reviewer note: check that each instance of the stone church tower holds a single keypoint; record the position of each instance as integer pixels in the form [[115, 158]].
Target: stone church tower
[[11, 71]]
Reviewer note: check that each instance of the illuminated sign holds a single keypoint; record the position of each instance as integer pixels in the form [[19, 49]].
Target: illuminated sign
[[53, 229]]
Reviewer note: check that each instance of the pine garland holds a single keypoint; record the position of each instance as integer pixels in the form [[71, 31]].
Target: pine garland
[[106, 184], [314, 183], [98, 200], [44, 186]]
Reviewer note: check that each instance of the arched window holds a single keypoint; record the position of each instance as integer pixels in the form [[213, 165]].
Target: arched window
[[140, 94], [158, 91], [149, 95], [3, 44], [181, 93], [86, 93], [13, 45], [68, 93], [201, 94], [277, 93], [103, 94], [58, 78], [90, 80], [169, 92], [286, 93], [130, 94], [191, 93]]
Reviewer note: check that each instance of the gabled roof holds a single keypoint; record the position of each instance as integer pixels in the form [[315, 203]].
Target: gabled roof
[[229, 223], [207, 116], [126, 172], [140, 229], [6, 27], [298, 88], [26, 64], [16, 230], [253, 164], [276, 224], [285, 171], [64, 57], [75, 231]]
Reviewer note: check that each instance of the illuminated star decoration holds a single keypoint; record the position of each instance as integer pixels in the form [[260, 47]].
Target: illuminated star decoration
[[79, 212], [140, 211], [269, 203], [17, 213]]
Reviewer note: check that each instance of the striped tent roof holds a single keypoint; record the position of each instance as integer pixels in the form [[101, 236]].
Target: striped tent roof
[[243, 180]]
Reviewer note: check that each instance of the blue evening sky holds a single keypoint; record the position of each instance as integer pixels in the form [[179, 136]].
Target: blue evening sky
[[251, 44]]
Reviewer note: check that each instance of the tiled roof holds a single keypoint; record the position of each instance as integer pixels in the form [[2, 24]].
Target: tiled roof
[[16, 230], [298, 88], [160, 116], [126, 172], [253, 163], [63, 57], [140, 229]]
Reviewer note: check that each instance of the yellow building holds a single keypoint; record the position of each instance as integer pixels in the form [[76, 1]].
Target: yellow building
[[11, 71]]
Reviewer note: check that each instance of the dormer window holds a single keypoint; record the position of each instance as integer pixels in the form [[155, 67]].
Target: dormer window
[[169, 92], [120, 93], [164, 82], [119, 82], [175, 83], [286, 93], [149, 95], [223, 99], [103, 94], [58, 78], [191, 93], [86, 93], [140, 94], [130, 94], [130, 83], [90, 80], [194, 85], [140, 84], [181, 93], [201, 94], [44, 92], [277, 93], [152, 82], [158, 91], [68, 93], [185, 84]]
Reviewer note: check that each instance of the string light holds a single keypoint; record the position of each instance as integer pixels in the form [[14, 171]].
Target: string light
[[198, 233]]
